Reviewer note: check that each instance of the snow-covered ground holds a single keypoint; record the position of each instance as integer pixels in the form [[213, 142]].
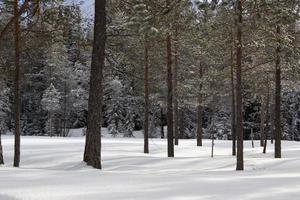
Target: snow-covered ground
[[51, 169]]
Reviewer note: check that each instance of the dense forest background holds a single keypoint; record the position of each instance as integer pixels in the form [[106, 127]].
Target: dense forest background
[[56, 44]]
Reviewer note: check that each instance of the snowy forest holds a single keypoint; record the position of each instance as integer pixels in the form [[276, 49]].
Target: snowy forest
[[161, 78]]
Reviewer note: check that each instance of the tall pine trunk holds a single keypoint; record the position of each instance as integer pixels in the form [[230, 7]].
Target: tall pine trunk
[[170, 94], [233, 106], [146, 88], [17, 90], [176, 113], [277, 132], [200, 111], [92, 154], [170, 99], [239, 103]]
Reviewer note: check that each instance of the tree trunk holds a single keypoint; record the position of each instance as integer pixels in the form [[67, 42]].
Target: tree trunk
[[146, 87], [233, 106], [162, 131], [252, 137], [1, 152], [262, 122], [92, 154], [170, 99], [170, 94], [200, 111], [17, 92], [272, 122], [181, 123], [277, 131], [176, 134], [267, 119], [239, 103]]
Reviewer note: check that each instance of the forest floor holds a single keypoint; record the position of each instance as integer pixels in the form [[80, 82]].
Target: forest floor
[[51, 169]]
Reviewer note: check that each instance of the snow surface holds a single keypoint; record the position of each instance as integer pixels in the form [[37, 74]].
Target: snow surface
[[51, 169]]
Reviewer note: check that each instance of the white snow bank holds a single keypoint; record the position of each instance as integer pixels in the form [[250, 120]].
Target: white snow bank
[[51, 169]]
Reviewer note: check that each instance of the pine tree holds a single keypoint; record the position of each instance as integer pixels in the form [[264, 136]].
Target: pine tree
[[51, 103], [92, 154]]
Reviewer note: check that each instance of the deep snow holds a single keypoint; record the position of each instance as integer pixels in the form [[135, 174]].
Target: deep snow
[[51, 169]]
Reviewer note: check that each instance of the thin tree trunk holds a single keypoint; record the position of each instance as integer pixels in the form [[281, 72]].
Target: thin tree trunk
[[272, 122], [176, 134], [233, 106], [92, 153], [146, 87], [162, 131], [267, 119], [212, 139], [239, 103], [64, 126], [50, 124], [1, 152], [181, 123], [200, 111], [262, 122], [252, 137], [278, 97], [170, 99], [17, 92], [170, 94]]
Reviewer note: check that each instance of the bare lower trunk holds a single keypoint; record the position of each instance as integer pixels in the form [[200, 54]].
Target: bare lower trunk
[[239, 104], [176, 134], [181, 123], [233, 107], [278, 98], [200, 111], [267, 120], [199, 123], [170, 99], [92, 153], [262, 122], [252, 137], [146, 87], [1, 152], [17, 93], [272, 122], [162, 131]]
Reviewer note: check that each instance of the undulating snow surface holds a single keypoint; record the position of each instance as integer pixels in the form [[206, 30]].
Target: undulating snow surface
[[51, 169]]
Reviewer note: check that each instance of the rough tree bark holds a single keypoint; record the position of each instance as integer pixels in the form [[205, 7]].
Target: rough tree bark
[[17, 93], [146, 88], [277, 132], [233, 105], [239, 103], [200, 111], [170, 95], [92, 154], [176, 117]]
